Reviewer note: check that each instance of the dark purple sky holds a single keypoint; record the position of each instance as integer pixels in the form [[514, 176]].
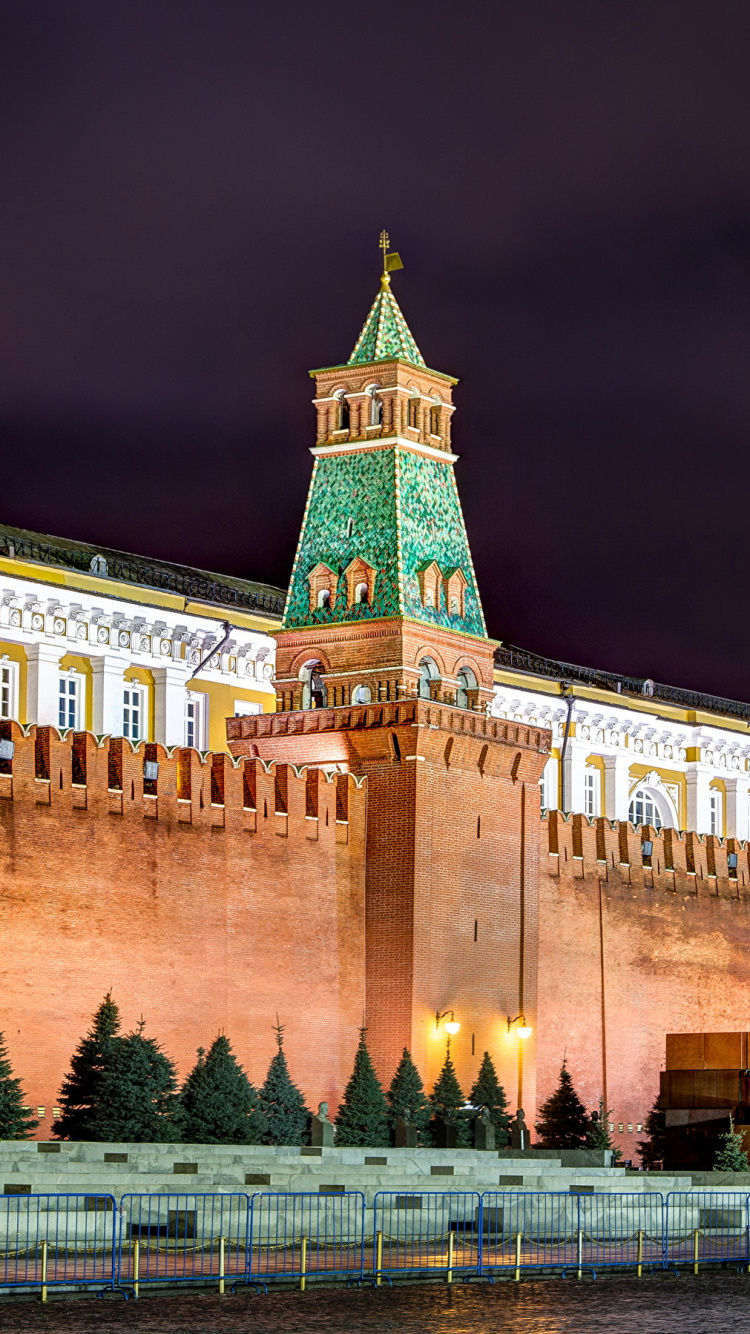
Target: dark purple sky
[[190, 203]]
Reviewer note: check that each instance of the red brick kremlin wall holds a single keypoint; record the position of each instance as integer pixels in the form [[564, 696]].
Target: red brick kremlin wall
[[629, 952], [198, 904]]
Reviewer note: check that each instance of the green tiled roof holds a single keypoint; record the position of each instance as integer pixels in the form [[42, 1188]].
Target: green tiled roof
[[385, 333]]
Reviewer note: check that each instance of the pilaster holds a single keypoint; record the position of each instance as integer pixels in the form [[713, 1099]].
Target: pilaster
[[108, 671], [43, 686], [169, 705]]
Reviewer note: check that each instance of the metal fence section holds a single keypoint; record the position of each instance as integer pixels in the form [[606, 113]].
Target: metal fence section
[[427, 1231], [706, 1228], [58, 1240], [573, 1232], [182, 1237], [304, 1236]]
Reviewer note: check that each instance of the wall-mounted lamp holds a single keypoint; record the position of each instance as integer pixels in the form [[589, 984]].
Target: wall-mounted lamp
[[452, 1026], [524, 1030], [647, 847], [732, 860]]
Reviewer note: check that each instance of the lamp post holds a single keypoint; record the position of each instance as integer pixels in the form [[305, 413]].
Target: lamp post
[[524, 1030], [451, 1027]]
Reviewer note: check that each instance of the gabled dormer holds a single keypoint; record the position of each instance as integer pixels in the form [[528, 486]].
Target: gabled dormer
[[323, 582]]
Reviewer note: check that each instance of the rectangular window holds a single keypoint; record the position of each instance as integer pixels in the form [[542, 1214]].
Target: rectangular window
[[69, 702], [196, 720], [133, 713], [244, 708], [591, 788], [715, 821], [8, 689]]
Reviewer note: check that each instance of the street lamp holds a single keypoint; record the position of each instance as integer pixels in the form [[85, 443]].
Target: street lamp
[[452, 1026], [524, 1030]]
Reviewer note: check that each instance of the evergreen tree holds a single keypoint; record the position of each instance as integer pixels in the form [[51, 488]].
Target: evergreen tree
[[16, 1121], [731, 1157], [448, 1101], [487, 1091], [137, 1096], [363, 1115], [652, 1149], [218, 1103], [79, 1096], [406, 1097], [563, 1121], [281, 1105], [598, 1133]]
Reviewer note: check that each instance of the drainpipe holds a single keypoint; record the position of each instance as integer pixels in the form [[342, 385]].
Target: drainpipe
[[564, 688]]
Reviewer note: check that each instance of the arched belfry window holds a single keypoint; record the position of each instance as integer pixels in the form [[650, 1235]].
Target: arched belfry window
[[342, 411], [467, 683], [375, 413], [435, 417], [412, 411], [428, 671], [313, 686]]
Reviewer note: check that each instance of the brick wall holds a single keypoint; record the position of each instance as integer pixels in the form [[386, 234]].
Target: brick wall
[[199, 905], [629, 952]]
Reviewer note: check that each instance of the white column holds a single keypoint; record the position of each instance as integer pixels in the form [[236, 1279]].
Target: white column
[[617, 786], [573, 771], [698, 815], [737, 812], [43, 684], [169, 705], [107, 698]]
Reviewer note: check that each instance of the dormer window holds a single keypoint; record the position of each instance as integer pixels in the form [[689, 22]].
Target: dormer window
[[360, 582], [430, 578], [454, 584], [323, 583]]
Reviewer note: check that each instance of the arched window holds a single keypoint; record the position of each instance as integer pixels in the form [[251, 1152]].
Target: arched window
[[435, 417], [342, 411], [361, 695], [324, 597], [455, 607], [314, 690], [361, 593], [412, 412], [376, 406], [428, 671], [644, 808], [466, 681]]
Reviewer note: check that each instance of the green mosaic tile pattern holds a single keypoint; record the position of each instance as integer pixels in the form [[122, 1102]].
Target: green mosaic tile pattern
[[405, 511], [386, 334]]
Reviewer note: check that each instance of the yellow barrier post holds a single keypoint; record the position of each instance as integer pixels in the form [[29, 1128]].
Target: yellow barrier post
[[303, 1265], [579, 1256], [221, 1267], [451, 1239], [517, 1275], [44, 1271], [136, 1266], [379, 1260], [696, 1236], [640, 1255]]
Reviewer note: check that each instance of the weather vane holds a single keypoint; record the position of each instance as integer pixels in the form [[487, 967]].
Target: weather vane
[[391, 261]]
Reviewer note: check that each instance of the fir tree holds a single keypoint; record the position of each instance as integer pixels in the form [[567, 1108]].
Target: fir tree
[[362, 1118], [218, 1103], [79, 1096], [598, 1132], [563, 1122], [406, 1097], [487, 1091], [281, 1105], [16, 1120], [137, 1096], [731, 1157], [652, 1149], [448, 1101]]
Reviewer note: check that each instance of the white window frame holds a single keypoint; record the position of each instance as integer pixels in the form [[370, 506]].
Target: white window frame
[[80, 701], [138, 689], [715, 812], [245, 708], [592, 791], [8, 687], [196, 734]]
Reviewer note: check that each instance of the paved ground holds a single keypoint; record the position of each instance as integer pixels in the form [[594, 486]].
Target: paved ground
[[710, 1304]]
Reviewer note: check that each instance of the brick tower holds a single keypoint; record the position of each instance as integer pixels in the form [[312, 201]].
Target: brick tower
[[384, 670]]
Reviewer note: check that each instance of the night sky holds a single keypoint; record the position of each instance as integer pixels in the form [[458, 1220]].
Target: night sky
[[190, 201]]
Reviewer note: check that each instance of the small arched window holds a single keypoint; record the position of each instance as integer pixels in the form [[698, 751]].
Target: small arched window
[[313, 686], [467, 682], [324, 597], [455, 607], [435, 418], [429, 596], [361, 695], [428, 671], [361, 593], [342, 411], [412, 414], [644, 809], [376, 407]]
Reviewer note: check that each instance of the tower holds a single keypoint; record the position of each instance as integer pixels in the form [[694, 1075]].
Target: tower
[[385, 671]]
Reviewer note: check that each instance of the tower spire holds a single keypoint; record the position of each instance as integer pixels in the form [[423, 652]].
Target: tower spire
[[385, 333]]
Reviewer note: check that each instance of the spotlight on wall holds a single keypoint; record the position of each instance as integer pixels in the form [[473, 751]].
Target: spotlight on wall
[[732, 860], [524, 1030], [452, 1026], [647, 847]]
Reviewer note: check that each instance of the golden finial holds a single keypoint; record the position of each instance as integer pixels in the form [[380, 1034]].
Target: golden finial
[[390, 261]]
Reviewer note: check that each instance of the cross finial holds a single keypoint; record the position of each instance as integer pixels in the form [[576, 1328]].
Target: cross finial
[[390, 261]]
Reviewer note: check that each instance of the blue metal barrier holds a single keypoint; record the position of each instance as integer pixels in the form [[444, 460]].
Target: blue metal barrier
[[58, 1241], [709, 1227], [573, 1232], [427, 1231], [303, 1236], [182, 1238]]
